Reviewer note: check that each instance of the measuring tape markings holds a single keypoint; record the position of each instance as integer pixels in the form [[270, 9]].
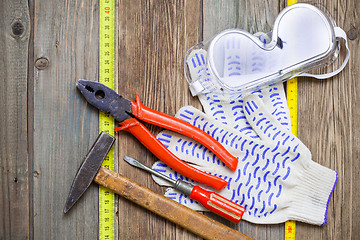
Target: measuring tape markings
[[291, 87], [106, 122]]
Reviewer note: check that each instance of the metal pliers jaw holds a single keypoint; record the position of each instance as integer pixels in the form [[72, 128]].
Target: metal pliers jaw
[[105, 99], [127, 112]]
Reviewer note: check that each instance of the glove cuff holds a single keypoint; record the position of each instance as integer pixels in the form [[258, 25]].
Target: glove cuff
[[311, 197]]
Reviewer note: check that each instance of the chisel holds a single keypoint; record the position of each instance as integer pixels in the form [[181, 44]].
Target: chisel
[[211, 200], [91, 170]]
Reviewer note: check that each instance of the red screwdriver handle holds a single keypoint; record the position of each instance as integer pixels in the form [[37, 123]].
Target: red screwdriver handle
[[160, 151], [218, 204], [174, 124]]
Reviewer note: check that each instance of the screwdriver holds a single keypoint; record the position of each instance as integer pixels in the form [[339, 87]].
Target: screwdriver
[[211, 200]]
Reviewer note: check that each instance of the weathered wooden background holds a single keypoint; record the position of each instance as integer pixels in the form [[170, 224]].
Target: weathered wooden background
[[47, 128]]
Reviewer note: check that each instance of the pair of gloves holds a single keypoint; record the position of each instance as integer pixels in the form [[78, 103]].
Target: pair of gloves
[[276, 179]]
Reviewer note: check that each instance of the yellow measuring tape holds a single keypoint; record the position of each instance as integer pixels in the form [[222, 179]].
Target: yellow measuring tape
[[106, 122], [291, 90]]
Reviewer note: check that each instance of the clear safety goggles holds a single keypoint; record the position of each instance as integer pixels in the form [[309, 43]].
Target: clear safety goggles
[[303, 39]]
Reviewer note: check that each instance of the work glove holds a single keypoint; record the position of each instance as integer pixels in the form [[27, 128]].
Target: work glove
[[275, 180]]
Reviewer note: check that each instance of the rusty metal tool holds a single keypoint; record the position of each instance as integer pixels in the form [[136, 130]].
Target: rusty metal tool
[[127, 113], [211, 200], [91, 170]]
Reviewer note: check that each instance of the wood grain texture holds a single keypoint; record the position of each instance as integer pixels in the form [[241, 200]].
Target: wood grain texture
[[328, 124], [252, 16], [49, 118], [65, 126], [153, 37], [157, 203], [14, 184]]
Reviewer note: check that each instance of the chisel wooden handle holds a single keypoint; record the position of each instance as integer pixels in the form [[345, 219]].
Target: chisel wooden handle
[[185, 217]]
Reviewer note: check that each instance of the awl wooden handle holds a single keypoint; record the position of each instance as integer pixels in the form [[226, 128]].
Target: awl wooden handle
[[185, 217]]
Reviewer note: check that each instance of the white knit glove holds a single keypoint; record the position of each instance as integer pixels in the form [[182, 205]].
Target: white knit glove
[[275, 180]]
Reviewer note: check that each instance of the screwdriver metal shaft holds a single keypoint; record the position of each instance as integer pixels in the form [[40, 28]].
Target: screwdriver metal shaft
[[138, 164], [178, 184], [211, 200]]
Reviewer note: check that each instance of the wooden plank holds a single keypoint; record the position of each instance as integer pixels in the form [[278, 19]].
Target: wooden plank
[[329, 125], [153, 37], [14, 177], [252, 16], [65, 126]]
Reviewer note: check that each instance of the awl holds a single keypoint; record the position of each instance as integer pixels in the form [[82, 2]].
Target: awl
[[211, 200]]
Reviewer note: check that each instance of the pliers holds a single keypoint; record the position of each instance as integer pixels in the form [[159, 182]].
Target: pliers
[[127, 113]]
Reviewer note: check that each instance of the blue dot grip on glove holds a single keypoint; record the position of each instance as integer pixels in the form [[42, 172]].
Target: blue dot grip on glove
[[275, 181]]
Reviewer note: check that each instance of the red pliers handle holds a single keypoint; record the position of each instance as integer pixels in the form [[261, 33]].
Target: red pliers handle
[[127, 112], [160, 119]]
